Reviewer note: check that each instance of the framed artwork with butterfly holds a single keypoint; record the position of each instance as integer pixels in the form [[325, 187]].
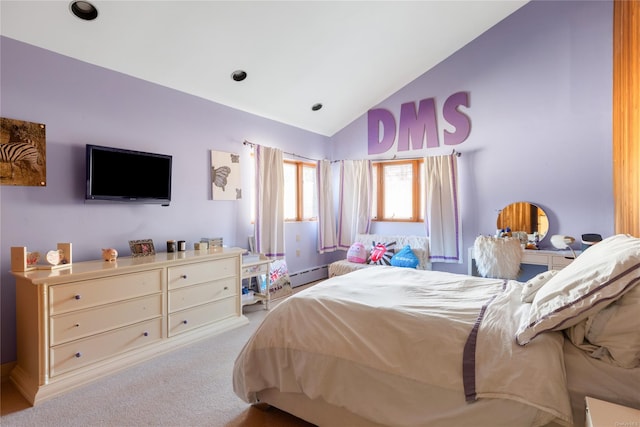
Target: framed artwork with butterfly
[[225, 176]]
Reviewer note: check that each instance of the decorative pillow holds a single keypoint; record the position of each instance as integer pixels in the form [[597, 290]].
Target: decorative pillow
[[613, 334], [598, 277], [357, 253], [405, 258], [381, 253], [532, 286]]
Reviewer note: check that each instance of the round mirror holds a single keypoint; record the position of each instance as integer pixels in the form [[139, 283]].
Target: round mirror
[[524, 216]]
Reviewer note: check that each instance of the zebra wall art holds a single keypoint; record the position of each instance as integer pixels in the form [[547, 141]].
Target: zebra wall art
[[22, 153]]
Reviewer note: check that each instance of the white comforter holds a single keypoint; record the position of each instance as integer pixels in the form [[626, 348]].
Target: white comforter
[[388, 345]]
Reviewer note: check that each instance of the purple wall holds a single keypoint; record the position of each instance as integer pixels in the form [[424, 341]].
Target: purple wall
[[540, 109], [81, 104], [540, 87]]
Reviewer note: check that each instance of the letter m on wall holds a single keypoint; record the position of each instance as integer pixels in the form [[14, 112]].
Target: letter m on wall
[[416, 125]]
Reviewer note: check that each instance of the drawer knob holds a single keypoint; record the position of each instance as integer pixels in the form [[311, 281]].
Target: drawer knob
[[184, 276], [78, 355], [77, 297], [77, 325], [146, 334], [226, 288], [185, 322]]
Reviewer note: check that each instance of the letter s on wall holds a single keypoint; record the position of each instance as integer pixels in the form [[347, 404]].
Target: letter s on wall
[[456, 118]]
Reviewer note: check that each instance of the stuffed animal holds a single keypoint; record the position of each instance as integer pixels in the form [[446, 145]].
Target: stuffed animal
[[357, 253], [109, 254]]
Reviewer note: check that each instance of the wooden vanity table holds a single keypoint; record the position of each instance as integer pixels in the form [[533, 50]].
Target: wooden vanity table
[[529, 218]]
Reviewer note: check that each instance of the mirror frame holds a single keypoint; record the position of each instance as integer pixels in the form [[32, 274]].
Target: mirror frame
[[524, 216]]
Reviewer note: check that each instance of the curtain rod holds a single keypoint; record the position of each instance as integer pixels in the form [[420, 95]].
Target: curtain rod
[[252, 144], [395, 157]]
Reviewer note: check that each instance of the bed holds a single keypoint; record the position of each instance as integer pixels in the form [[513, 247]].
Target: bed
[[402, 347]]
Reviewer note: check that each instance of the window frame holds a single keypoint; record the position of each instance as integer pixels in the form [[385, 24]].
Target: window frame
[[300, 165], [417, 214]]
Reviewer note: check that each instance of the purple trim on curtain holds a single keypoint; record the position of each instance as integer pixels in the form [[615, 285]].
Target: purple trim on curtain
[[341, 205], [319, 203], [370, 173], [469, 353], [271, 255], [454, 167], [457, 257], [321, 245], [257, 194]]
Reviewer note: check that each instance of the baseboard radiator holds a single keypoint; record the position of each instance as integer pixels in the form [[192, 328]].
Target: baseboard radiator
[[314, 274]]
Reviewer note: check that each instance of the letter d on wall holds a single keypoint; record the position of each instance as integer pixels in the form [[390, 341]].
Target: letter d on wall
[[376, 118]]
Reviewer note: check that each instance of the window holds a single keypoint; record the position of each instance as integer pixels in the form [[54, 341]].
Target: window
[[398, 190], [300, 201]]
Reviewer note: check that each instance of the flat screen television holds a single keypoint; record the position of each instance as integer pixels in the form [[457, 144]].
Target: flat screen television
[[119, 175]]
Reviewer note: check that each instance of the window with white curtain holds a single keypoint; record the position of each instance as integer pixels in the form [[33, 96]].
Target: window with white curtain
[[398, 190], [300, 187]]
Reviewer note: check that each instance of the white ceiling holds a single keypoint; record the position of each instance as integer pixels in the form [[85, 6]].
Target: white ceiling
[[347, 55]]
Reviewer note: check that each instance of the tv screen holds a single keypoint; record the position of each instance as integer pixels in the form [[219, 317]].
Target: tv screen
[[116, 174]]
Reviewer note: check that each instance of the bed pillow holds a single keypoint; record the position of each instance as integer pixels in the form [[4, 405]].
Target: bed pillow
[[532, 286], [381, 253], [405, 258], [615, 331], [595, 279], [357, 253]]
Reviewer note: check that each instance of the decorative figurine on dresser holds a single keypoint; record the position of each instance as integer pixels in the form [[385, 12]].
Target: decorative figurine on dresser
[[109, 254]]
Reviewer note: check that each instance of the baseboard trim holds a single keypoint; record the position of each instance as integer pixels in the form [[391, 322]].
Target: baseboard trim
[[5, 370]]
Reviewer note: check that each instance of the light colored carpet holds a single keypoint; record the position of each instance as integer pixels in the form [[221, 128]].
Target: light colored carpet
[[187, 387]]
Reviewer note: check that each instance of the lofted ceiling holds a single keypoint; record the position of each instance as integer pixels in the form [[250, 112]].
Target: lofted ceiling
[[346, 55]]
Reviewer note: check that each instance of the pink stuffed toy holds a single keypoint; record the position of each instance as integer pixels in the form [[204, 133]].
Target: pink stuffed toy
[[357, 253]]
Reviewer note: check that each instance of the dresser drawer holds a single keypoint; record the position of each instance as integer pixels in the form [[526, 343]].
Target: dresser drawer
[[191, 274], [559, 262], [192, 318], [76, 354], [532, 257], [83, 323], [90, 293], [182, 298]]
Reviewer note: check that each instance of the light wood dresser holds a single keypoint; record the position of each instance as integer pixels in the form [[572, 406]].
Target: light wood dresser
[[90, 319]]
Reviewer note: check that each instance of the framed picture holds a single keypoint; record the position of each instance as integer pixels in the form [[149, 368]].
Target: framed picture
[[225, 176], [23, 153], [142, 247]]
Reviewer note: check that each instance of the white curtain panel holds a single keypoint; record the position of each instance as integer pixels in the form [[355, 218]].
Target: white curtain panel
[[269, 225], [442, 216], [327, 238], [354, 211]]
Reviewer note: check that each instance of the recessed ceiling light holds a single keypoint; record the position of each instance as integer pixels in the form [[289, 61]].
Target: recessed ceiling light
[[84, 10], [239, 75], [316, 107]]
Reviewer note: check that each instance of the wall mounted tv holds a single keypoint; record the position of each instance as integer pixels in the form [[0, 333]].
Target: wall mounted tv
[[115, 174]]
